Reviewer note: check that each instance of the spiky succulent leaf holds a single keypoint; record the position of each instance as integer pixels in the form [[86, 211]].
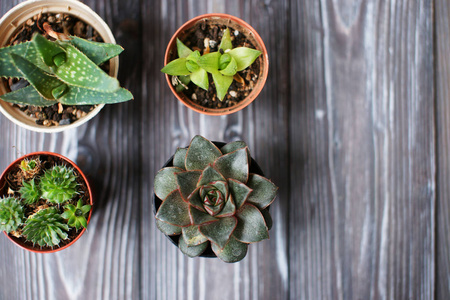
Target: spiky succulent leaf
[[30, 192], [81, 96], [174, 210], [58, 184], [48, 50], [219, 232], [26, 49], [239, 192], [187, 182], [46, 228], [191, 251], [192, 236], [11, 214], [27, 96], [234, 165], [244, 56], [210, 174], [226, 43], [165, 182], [182, 49], [95, 51], [251, 225], [264, 191], [234, 251], [222, 83], [201, 153], [179, 158], [168, 229], [76, 215]]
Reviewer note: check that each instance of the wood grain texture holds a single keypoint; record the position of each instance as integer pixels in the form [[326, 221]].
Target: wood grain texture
[[352, 125]]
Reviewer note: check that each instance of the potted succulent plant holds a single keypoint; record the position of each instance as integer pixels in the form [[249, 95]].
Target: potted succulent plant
[[45, 202], [210, 202], [60, 63], [216, 64]]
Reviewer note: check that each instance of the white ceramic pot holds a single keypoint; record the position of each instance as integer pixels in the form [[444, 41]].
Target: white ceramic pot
[[10, 23]]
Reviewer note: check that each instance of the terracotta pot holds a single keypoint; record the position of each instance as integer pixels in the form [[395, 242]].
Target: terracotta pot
[[251, 35], [12, 21], [3, 191]]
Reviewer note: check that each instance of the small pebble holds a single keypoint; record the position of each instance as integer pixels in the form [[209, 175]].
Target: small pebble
[[233, 94], [236, 32], [194, 96], [64, 122]]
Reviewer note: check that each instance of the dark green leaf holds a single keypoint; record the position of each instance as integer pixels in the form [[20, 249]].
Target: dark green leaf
[[234, 251], [228, 210], [187, 182], [251, 225], [199, 217], [47, 49], [176, 67], [192, 236], [95, 51], [239, 192], [264, 191], [192, 251], [210, 174], [27, 96], [81, 96], [267, 218], [233, 146], [26, 49], [201, 153], [168, 229], [219, 232], [179, 158], [244, 56], [196, 200], [174, 210], [234, 165], [166, 182]]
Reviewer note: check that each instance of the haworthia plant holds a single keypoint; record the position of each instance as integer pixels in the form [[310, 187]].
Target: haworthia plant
[[61, 71], [222, 65], [210, 197]]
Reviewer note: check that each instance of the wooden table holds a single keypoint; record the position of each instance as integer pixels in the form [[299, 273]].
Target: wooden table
[[352, 125]]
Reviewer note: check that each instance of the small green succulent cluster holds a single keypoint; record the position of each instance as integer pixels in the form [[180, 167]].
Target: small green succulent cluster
[[46, 224], [61, 71], [210, 198], [222, 65]]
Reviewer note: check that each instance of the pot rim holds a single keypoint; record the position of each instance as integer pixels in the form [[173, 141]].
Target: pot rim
[[83, 176], [256, 90], [24, 10]]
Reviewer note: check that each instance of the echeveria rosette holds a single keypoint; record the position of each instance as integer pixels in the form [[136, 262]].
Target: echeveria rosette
[[209, 196]]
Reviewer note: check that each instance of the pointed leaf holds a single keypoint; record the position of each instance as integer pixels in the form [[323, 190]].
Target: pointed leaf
[[176, 67], [96, 51], [210, 174], [174, 210], [267, 218], [198, 217], [244, 56], [179, 157], [27, 96], [85, 208], [234, 165], [83, 221], [228, 210], [168, 229], [165, 182], [264, 191], [234, 251], [201, 153], [192, 236], [43, 82], [187, 182], [200, 79], [66, 215], [231, 68], [210, 62], [251, 225], [26, 49], [47, 49], [81, 96], [239, 192], [79, 71], [196, 201], [182, 49], [233, 146], [219, 232], [226, 43], [222, 83], [192, 251]]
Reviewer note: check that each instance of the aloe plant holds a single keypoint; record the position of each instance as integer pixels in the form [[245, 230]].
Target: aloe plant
[[222, 65], [210, 198], [61, 71]]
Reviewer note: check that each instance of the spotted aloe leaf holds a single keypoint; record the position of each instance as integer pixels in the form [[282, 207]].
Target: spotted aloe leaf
[[234, 251], [264, 191], [251, 225], [179, 158], [95, 51], [187, 182], [81, 96], [234, 165], [192, 236], [201, 153], [91, 77], [50, 52], [219, 232], [174, 210], [191, 251], [222, 83], [27, 96], [26, 49], [165, 182]]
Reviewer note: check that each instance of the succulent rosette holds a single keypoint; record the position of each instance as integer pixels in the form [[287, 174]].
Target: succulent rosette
[[211, 198]]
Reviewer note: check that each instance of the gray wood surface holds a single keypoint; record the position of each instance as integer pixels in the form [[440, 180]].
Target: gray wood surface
[[352, 125]]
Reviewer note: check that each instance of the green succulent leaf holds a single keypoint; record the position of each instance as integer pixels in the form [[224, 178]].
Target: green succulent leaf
[[234, 251], [264, 191], [187, 182], [165, 182], [200, 78], [219, 232], [222, 83], [168, 229], [224, 60], [27, 96], [95, 51], [244, 56], [201, 153], [185, 80], [43, 82], [233, 146], [79, 71], [228, 210], [251, 225], [182, 49], [58, 184], [76, 216], [267, 218], [174, 210], [196, 201], [191, 251], [191, 62], [209, 174], [230, 69], [81, 96], [239, 192], [210, 62], [30, 192], [199, 217], [234, 165], [48, 50], [176, 67], [26, 49], [11, 214], [192, 236], [179, 158], [226, 43]]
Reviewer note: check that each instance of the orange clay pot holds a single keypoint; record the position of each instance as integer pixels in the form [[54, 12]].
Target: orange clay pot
[[20, 242], [250, 34]]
